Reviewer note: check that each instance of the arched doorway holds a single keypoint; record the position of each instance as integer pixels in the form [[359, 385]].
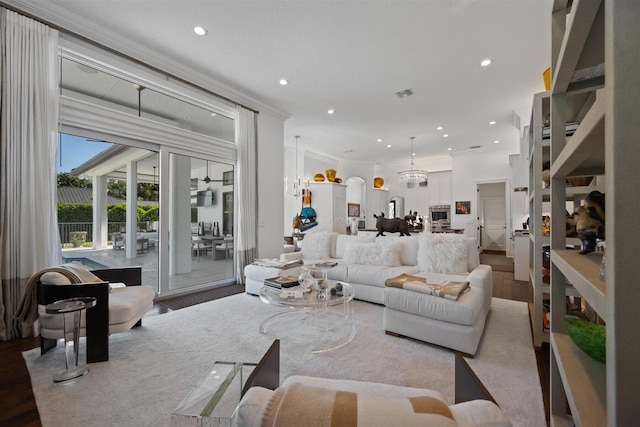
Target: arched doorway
[[356, 201]]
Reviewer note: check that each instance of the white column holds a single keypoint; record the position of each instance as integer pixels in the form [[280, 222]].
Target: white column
[[179, 215], [100, 235], [131, 244]]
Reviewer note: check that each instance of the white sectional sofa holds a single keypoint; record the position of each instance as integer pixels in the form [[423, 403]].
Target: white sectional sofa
[[372, 260]]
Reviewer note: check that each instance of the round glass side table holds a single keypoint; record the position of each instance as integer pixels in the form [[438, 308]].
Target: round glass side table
[[71, 310]]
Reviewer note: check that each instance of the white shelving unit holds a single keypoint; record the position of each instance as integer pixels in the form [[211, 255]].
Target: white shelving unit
[[539, 153], [588, 33]]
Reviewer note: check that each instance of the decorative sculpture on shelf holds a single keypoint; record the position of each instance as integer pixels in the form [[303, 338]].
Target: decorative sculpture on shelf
[[308, 214], [378, 182], [318, 177], [331, 175], [589, 219]]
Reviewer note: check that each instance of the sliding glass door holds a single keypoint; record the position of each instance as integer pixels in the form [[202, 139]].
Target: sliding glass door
[[108, 205], [168, 145], [201, 240]]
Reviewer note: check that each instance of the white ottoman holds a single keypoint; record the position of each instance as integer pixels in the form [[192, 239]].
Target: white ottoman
[[453, 324]]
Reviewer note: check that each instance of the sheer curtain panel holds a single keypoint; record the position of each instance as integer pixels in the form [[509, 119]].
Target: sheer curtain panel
[[247, 185], [29, 239]]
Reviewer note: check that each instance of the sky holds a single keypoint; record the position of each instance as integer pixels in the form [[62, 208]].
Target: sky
[[75, 150]]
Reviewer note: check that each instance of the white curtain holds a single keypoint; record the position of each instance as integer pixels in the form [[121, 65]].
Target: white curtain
[[29, 238], [247, 198]]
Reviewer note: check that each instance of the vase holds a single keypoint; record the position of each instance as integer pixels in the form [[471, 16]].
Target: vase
[[378, 182], [318, 177], [331, 175]]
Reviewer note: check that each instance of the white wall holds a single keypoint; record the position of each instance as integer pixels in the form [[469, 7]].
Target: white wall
[[270, 186], [469, 169]]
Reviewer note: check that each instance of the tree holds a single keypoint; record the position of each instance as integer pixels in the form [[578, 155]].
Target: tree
[[117, 188], [147, 191], [65, 179]]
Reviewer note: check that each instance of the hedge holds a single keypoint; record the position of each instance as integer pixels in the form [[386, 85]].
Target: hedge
[[75, 212]]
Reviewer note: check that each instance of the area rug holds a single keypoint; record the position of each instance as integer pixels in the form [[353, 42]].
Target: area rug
[[153, 367]]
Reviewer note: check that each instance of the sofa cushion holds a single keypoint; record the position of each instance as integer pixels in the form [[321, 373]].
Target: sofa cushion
[[473, 255], [373, 254], [464, 311], [317, 245], [125, 304], [343, 240], [409, 247], [376, 275], [443, 253], [479, 413], [302, 404]]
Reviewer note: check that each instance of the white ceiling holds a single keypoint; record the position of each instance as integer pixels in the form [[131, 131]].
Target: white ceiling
[[351, 56]]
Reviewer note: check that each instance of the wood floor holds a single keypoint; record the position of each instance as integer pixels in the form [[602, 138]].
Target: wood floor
[[18, 406]]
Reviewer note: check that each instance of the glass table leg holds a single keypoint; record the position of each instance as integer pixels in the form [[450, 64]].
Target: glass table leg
[[71, 349]]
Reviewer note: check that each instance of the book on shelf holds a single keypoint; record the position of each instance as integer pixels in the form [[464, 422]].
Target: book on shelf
[[570, 129], [278, 263], [282, 282]]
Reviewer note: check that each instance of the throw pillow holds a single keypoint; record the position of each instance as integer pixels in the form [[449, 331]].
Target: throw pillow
[[373, 254], [316, 246], [54, 278], [442, 253]]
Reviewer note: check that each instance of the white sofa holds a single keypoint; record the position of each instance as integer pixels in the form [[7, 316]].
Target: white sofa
[[372, 260]]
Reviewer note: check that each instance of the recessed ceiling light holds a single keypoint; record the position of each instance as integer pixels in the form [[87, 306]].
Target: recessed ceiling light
[[492, 122], [330, 111], [496, 142], [439, 128], [485, 62], [379, 139], [213, 114], [388, 145], [446, 135], [284, 82], [201, 31], [413, 154], [449, 149]]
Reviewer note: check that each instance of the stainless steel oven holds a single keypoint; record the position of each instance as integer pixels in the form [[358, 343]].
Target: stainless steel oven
[[440, 215]]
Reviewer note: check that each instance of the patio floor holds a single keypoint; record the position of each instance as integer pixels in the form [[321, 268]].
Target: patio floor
[[203, 271]]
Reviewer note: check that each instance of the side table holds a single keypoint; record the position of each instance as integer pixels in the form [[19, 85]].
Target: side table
[[71, 309]]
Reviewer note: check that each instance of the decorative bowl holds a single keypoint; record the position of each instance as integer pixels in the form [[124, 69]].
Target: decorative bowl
[[331, 175], [378, 182], [338, 180], [318, 177]]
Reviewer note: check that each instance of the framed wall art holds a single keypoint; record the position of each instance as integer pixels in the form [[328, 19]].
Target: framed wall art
[[463, 208], [353, 210]]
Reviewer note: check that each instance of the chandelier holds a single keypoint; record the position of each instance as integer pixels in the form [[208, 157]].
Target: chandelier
[[413, 176]]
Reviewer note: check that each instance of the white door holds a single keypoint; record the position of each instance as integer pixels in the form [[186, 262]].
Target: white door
[[493, 218]]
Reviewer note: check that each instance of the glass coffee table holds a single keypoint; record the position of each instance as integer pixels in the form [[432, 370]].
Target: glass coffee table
[[324, 322]]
